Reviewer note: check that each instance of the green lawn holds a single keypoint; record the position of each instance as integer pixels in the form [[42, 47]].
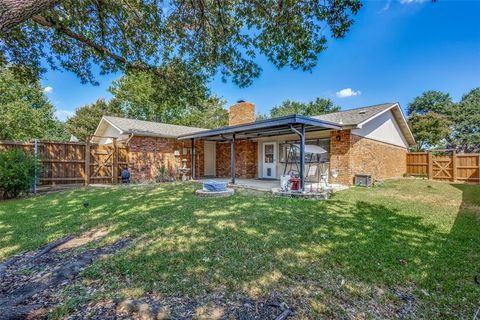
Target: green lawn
[[351, 255]]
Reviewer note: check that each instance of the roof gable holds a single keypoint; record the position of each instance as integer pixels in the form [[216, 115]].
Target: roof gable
[[356, 118]]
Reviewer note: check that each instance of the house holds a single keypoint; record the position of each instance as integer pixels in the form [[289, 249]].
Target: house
[[372, 140]]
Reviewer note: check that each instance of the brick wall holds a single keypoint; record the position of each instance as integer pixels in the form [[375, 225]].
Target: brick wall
[[245, 159], [351, 154], [147, 154], [340, 156], [241, 113], [381, 160]]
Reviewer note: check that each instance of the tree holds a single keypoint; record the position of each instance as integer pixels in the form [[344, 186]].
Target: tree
[[26, 112], [431, 101], [85, 120], [466, 123], [174, 94], [429, 119], [434, 118], [312, 108], [429, 129], [213, 36]]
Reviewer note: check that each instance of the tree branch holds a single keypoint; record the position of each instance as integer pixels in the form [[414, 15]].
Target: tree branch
[[15, 12], [103, 51]]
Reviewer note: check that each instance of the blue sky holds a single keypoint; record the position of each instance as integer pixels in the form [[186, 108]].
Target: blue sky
[[395, 50]]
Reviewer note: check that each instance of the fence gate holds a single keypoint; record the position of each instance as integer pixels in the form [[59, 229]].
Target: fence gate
[[454, 167], [442, 168], [105, 163]]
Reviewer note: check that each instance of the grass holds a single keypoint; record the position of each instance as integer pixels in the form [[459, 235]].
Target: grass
[[357, 254]]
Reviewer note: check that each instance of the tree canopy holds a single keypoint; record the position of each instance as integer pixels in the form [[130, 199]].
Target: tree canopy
[[175, 94], [311, 108], [437, 121], [26, 112], [211, 36], [466, 123], [86, 118]]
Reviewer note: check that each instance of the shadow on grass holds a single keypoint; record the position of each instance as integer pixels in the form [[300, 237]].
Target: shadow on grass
[[193, 246]]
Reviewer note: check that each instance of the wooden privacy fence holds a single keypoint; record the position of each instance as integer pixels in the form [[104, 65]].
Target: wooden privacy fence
[[75, 162], [454, 167]]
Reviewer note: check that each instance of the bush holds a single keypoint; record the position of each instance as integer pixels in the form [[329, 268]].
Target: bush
[[17, 172]]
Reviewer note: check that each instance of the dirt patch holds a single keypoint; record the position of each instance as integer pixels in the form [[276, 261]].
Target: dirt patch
[[91, 236], [31, 282], [216, 307]]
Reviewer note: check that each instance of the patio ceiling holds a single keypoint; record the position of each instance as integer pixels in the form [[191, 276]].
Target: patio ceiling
[[264, 128]]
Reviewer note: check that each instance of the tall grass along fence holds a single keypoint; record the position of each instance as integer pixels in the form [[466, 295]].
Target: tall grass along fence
[[445, 167], [74, 162]]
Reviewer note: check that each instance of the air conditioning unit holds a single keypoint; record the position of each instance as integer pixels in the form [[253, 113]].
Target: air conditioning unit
[[363, 180]]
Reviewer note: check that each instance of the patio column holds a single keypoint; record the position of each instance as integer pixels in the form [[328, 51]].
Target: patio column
[[302, 158], [193, 159], [232, 159]]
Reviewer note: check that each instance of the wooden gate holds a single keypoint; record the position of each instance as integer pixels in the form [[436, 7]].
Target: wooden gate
[[105, 163], [453, 167], [442, 168]]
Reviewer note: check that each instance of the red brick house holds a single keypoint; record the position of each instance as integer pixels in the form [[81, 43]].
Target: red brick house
[[371, 140]]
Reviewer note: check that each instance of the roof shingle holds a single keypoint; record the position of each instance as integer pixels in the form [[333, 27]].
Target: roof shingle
[[354, 117], [149, 128]]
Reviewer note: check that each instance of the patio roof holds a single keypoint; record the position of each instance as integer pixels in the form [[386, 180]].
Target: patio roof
[[264, 128]]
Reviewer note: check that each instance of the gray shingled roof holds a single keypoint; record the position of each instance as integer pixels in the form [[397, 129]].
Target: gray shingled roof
[[354, 116], [149, 128]]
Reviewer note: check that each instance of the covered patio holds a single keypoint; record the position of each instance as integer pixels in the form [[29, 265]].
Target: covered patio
[[294, 124]]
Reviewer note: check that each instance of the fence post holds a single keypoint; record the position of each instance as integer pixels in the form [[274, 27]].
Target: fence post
[[454, 166], [115, 162], [35, 173], [87, 162], [430, 166]]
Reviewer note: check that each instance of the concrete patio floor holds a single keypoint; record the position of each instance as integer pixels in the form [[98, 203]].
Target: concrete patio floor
[[268, 185]]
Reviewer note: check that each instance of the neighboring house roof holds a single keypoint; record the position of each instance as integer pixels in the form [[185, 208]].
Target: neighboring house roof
[[149, 128]]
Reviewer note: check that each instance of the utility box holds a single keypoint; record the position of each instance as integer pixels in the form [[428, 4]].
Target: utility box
[[363, 180]]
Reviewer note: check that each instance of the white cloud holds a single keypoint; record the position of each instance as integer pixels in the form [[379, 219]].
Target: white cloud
[[386, 6], [412, 1], [63, 115], [348, 92], [48, 89]]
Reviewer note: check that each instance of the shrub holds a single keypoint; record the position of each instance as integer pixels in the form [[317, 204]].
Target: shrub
[[17, 172]]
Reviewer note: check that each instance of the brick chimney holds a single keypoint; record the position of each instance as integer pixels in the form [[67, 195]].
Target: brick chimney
[[241, 113]]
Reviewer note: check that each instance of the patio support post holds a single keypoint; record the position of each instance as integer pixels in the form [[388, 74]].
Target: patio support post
[[232, 159], [193, 159], [302, 158]]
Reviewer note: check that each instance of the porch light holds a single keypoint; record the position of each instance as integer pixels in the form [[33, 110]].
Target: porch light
[[176, 153], [338, 137]]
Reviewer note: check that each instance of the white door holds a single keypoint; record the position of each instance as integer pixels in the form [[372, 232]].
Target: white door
[[269, 162], [210, 158]]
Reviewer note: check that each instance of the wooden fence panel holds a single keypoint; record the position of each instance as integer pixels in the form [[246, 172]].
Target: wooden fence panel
[[468, 167], [66, 162], [452, 168], [62, 163], [417, 164]]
